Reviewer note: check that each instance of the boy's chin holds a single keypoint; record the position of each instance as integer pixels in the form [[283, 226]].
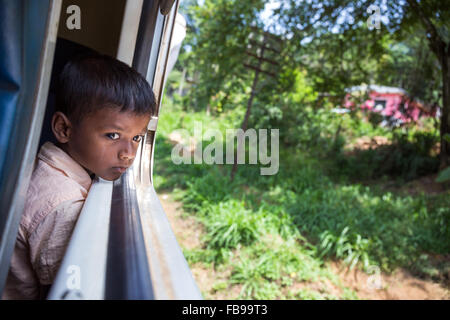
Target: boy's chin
[[110, 176]]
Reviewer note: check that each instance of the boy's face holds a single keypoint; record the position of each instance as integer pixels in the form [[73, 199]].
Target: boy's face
[[105, 142]]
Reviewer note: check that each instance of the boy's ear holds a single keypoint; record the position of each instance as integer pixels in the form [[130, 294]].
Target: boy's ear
[[61, 127]]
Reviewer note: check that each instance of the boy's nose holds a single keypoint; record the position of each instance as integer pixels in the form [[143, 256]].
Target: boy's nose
[[127, 153]]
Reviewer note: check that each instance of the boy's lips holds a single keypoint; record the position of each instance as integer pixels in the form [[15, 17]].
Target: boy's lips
[[120, 169]]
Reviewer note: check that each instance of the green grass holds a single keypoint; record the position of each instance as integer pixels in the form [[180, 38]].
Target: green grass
[[276, 231]]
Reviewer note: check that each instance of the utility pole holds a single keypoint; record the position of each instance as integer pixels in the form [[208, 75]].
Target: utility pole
[[261, 47]]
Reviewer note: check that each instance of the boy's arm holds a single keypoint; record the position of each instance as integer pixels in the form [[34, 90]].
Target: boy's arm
[[49, 240]]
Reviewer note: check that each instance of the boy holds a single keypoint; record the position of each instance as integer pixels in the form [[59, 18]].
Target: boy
[[103, 109]]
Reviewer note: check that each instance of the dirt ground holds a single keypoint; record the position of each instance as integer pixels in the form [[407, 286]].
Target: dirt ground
[[400, 285]]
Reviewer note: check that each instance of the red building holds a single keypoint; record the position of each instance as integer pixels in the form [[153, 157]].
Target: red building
[[392, 103]]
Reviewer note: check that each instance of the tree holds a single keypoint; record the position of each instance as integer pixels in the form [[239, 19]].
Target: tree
[[222, 28], [434, 17], [326, 24]]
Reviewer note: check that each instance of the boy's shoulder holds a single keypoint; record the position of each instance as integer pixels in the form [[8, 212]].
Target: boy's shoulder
[[56, 179]]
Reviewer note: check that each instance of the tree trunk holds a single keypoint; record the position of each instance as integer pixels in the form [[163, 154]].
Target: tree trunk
[[441, 49], [445, 116]]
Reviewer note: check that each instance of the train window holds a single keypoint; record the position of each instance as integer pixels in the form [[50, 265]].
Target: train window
[[122, 240]]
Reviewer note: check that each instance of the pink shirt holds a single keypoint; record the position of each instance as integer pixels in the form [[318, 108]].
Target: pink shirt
[[55, 197]]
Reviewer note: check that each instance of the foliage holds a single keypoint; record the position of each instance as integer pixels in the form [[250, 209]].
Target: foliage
[[222, 28], [271, 232], [229, 224], [408, 157], [338, 38], [444, 175]]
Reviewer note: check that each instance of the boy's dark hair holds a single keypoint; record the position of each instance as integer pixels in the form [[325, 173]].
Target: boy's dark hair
[[90, 82]]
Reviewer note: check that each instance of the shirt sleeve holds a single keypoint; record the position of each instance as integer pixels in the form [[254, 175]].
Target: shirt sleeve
[[49, 240]]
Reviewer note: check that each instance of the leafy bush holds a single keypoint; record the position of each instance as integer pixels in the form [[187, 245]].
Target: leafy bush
[[274, 230], [407, 158], [273, 264], [210, 188], [344, 247], [229, 224]]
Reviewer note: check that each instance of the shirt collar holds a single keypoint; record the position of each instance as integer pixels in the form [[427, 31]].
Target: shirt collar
[[60, 160]]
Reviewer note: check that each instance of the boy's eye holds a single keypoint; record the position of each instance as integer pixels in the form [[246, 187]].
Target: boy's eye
[[138, 138], [113, 136]]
